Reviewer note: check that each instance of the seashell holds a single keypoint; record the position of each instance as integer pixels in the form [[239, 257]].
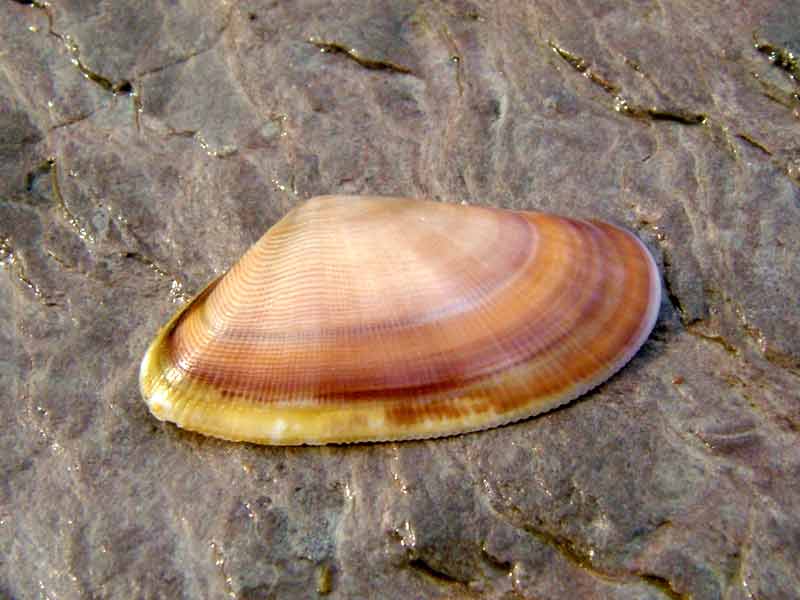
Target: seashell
[[366, 319]]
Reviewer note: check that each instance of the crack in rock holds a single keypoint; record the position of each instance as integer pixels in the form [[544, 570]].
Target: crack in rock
[[356, 56], [192, 54], [714, 339], [43, 168], [426, 569], [750, 141], [406, 537], [176, 292], [219, 562], [583, 67], [455, 58], [775, 93], [569, 551], [9, 257], [621, 104], [73, 121], [782, 58], [82, 232], [180, 60], [573, 555], [780, 359], [49, 167], [672, 295], [121, 87], [224, 151], [678, 116], [663, 584]]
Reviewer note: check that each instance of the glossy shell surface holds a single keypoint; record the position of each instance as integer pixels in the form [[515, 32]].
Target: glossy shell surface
[[367, 318]]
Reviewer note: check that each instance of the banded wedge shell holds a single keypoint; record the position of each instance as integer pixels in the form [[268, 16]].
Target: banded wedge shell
[[366, 319]]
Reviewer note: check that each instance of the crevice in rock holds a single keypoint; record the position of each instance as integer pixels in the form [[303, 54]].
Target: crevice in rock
[[785, 161], [789, 63], [791, 168], [354, 55], [785, 361], [420, 564], [48, 168], [715, 339], [178, 61], [662, 584], [503, 568], [224, 151], [121, 87], [72, 121], [138, 105], [176, 292], [219, 562], [43, 168], [76, 225], [672, 295], [750, 141], [674, 300], [583, 67], [567, 550], [194, 53], [181, 133], [676, 116], [572, 554], [621, 104], [291, 188], [61, 262], [434, 575], [782, 58], [455, 58], [9, 257], [776, 94], [138, 108], [500, 565], [738, 577], [425, 568]]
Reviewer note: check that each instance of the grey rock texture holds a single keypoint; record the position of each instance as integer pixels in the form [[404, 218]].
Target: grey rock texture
[[145, 145]]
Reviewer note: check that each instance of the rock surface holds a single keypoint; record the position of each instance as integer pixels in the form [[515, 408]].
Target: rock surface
[[145, 145]]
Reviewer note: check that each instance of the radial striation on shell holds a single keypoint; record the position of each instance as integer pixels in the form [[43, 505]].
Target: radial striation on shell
[[367, 319]]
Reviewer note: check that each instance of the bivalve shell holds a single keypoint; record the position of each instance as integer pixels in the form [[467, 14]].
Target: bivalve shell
[[367, 318]]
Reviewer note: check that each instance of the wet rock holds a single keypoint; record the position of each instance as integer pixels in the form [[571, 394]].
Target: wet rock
[[144, 148]]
